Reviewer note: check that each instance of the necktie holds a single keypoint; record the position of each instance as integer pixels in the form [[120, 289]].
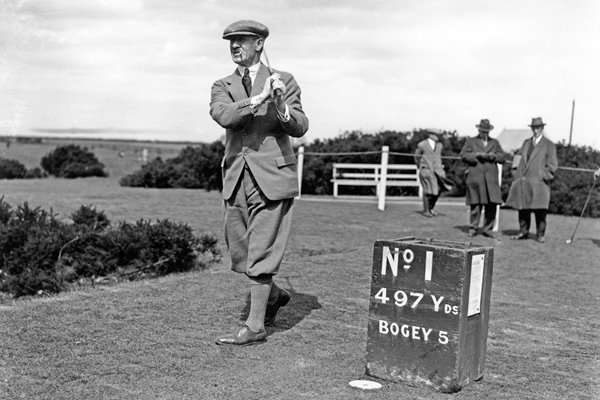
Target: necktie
[[530, 149], [247, 82]]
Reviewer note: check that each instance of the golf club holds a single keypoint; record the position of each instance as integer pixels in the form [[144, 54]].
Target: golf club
[[569, 241], [277, 91]]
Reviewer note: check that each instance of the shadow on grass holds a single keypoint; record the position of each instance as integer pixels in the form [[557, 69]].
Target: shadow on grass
[[463, 228], [299, 307], [512, 232], [593, 240]]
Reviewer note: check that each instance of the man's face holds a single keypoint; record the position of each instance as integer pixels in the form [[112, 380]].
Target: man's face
[[245, 49], [484, 133], [537, 130]]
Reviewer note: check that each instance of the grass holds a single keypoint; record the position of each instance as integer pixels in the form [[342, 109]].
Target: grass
[[155, 339]]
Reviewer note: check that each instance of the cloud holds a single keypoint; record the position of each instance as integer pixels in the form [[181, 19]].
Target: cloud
[[133, 63]]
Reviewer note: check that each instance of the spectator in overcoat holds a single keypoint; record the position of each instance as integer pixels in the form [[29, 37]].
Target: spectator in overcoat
[[530, 190], [428, 157], [482, 154]]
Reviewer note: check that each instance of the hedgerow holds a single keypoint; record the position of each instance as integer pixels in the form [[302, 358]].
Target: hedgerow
[[41, 254], [197, 167], [13, 169]]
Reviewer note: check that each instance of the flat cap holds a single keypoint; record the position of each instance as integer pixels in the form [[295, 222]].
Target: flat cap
[[246, 27]]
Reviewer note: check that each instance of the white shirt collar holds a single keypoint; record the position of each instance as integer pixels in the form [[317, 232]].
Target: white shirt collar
[[253, 70], [432, 143], [537, 140]]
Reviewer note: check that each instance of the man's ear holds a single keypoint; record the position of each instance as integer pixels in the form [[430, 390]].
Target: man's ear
[[259, 44]]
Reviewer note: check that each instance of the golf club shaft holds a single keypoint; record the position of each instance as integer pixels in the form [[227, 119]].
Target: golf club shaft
[[277, 91], [583, 209]]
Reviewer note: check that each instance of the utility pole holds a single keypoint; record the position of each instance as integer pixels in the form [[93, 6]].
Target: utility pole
[[572, 116]]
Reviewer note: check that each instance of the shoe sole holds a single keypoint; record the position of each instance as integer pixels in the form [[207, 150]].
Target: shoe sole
[[253, 343]]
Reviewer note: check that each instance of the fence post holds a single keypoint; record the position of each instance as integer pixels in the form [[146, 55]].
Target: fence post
[[385, 153], [300, 167], [497, 221]]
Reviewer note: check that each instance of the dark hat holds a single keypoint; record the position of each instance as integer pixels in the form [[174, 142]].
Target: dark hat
[[485, 125], [246, 27], [537, 121]]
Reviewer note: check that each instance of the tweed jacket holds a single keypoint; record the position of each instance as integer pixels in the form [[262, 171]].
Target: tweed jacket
[[258, 139], [531, 186], [481, 181]]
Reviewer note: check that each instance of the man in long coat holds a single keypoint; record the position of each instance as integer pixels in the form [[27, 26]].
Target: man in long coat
[[428, 157], [482, 154], [530, 191], [260, 111]]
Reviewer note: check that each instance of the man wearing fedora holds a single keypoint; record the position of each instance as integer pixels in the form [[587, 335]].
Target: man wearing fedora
[[530, 190], [428, 157], [260, 111], [482, 154]]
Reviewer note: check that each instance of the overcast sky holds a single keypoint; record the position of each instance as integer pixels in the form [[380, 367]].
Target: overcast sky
[[143, 68]]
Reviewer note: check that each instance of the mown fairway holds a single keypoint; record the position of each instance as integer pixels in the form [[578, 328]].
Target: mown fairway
[[155, 339]]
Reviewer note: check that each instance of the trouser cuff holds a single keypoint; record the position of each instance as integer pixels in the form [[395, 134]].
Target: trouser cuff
[[263, 279]]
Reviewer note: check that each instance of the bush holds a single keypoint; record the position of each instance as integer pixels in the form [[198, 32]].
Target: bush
[[35, 173], [194, 168], [41, 254], [570, 188], [12, 169], [72, 161]]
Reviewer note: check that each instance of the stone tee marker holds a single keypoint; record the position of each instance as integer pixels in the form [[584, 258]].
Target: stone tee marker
[[429, 312]]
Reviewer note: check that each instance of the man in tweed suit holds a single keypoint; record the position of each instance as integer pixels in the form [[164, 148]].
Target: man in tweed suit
[[260, 111]]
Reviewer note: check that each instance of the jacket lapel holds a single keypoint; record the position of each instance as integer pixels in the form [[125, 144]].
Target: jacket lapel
[[236, 88], [537, 149], [259, 81]]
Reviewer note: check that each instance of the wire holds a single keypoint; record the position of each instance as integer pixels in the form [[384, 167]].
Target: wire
[[356, 153]]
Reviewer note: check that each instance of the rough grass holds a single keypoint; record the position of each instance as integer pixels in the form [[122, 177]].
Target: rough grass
[[155, 339]]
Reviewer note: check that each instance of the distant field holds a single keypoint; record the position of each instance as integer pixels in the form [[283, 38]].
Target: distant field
[[155, 339], [119, 157]]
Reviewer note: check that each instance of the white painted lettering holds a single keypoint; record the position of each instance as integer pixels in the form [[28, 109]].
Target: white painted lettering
[[419, 296], [415, 332], [426, 333], [408, 256], [405, 330], [436, 302], [382, 295], [443, 337], [411, 332], [388, 258], [383, 327], [401, 298]]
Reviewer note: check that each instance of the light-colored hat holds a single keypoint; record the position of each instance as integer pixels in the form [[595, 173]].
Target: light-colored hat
[[246, 27]]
